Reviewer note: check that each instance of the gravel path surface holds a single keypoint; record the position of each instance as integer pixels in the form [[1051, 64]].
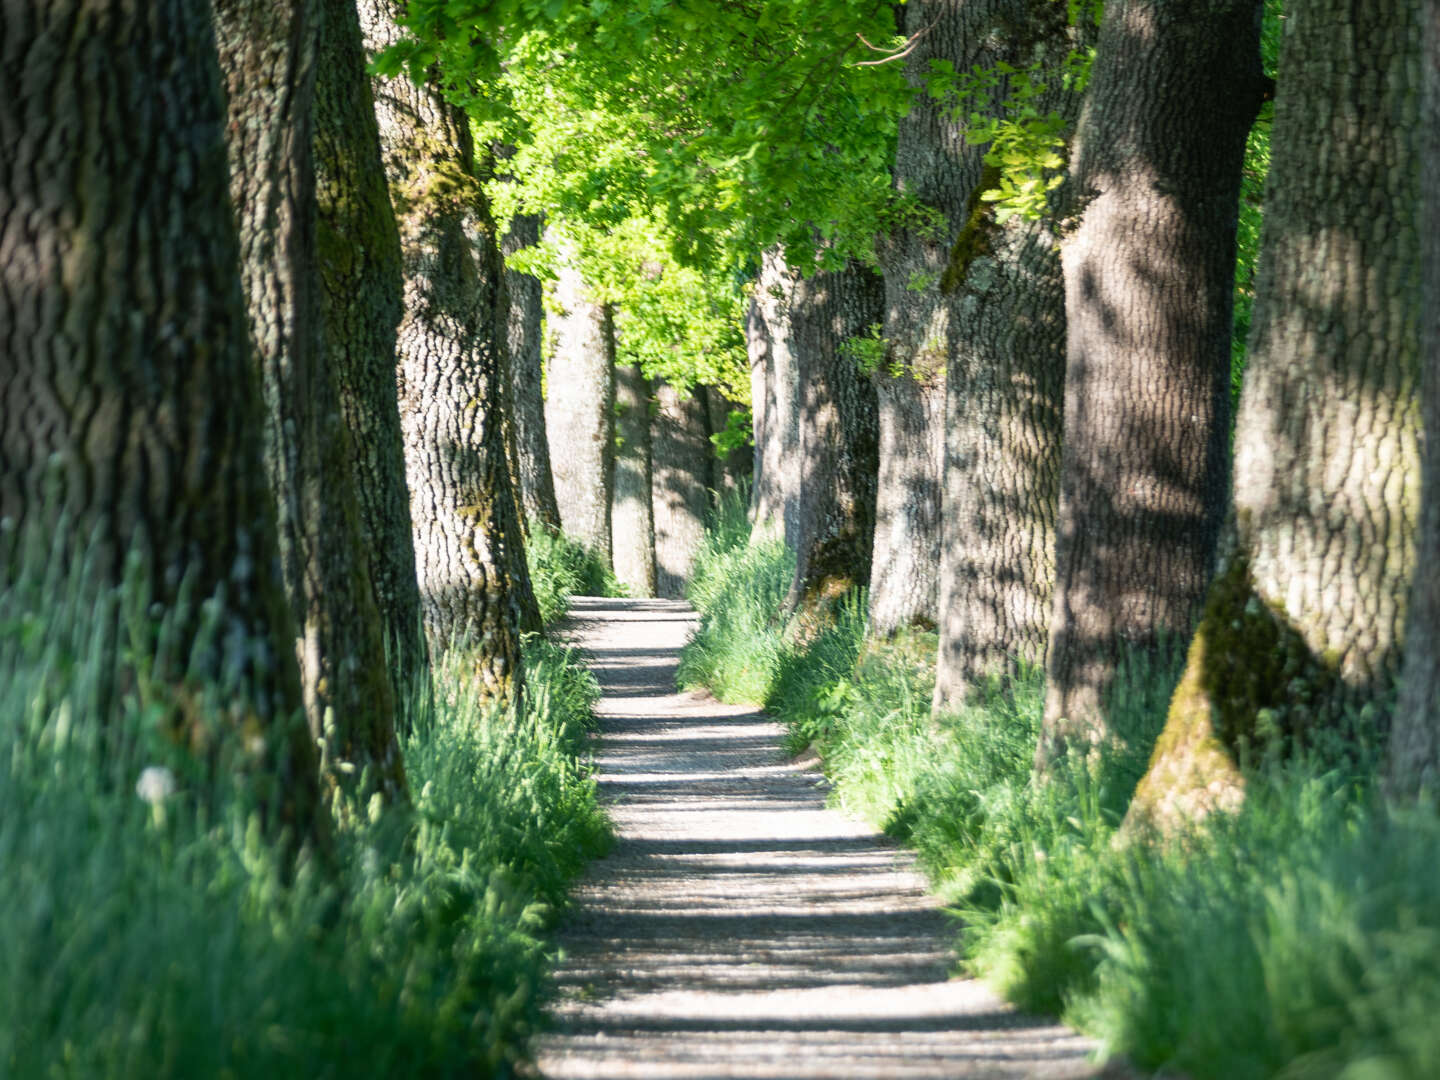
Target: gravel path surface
[[741, 929]]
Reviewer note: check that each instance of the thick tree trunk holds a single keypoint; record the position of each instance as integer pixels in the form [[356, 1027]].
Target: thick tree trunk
[[580, 411], [632, 512], [1149, 285], [1414, 765], [681, 449], [361, 300], [527, 402], [267, 55], [995, 298], [904, 577], [1303, 623], [450, 364], [774, 396], [129, 409], [833, 472]]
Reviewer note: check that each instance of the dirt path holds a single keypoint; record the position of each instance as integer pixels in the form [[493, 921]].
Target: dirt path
[[741, 929]]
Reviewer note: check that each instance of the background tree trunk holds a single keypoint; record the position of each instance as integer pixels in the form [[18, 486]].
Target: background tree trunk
[[1302, 625], [361, 301], [1149, 278], [633, 510], [833, 526], [450, 364], [580, 411], [140, 434], [1000, 309], [267, 55], [527, 402], [1414, 765], [774, 396], [682, 454], [734, 468]]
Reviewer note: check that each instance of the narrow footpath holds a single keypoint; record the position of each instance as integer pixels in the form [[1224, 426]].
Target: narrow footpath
[[741, 929]]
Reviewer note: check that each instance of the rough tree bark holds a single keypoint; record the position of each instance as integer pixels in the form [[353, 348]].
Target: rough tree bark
[[681, 451], [999, 305], [832, 527], [1414, 765], [129, 408], [580, 411], [632, 512], [267, 52], [361, 297], [1148, 281], [774, 391], [1302, 625], [527, 404], [450, 349]]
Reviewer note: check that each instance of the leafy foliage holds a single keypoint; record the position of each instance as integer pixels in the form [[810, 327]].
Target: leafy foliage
[[561, 568]]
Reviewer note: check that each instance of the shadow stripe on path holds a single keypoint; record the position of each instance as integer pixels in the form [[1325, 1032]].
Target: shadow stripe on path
[[740, 928]]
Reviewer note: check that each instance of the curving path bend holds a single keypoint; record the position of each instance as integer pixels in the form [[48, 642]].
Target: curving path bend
[[742, 929]]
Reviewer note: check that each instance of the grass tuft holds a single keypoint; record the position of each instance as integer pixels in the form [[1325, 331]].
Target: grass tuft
[[160, 939]]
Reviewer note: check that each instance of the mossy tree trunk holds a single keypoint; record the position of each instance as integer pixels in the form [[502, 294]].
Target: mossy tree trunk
[[833, 468], [267, 52], [536, 485], [141, 433], [450, 343], [682, 456], [632, 512], [580, 410], [1302, 627], [361, 298], [998, 304], [1414, 764], [1149, 282]]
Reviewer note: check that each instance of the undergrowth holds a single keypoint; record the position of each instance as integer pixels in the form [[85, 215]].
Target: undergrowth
[[159, 938], [1299, 937], [561, 567]]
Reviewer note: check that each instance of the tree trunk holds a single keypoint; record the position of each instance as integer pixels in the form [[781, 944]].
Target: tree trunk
[[774, 395], [1149, 278], [681, 448], [527, 402], [580, 412], [450, 364], [632, 510], [130, 411], [1414, 766], [995, 300], [833, 472], [267, 55], [1302, 626], [733, 468], [904, 576], [361, 301]]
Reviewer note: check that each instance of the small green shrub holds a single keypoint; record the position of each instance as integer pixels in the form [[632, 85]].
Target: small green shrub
[[561, 568]]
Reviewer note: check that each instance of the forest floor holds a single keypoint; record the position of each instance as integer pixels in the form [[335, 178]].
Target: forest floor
[[739, 928]]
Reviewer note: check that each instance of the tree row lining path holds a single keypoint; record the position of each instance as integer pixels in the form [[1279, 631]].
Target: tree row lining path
[[740, 928]]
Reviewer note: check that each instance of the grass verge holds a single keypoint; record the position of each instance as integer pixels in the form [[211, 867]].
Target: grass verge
[[1299, 937], [158, 938]]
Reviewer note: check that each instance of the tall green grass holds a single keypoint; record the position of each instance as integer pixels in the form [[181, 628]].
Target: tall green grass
[[1299, 937], [738, 588], [561, 567], [160, 938]]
